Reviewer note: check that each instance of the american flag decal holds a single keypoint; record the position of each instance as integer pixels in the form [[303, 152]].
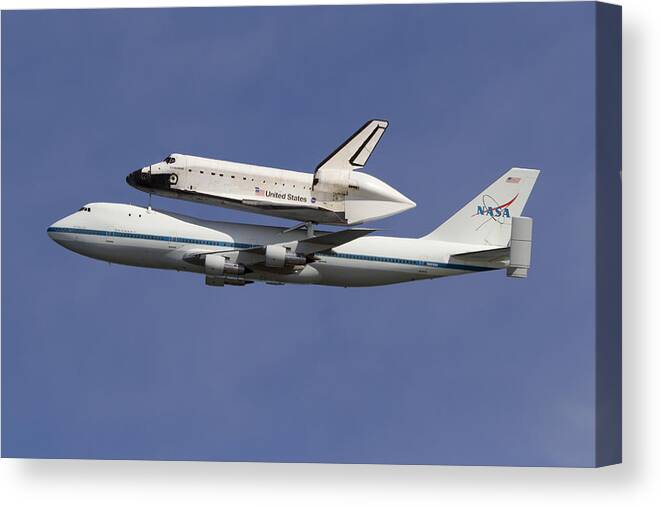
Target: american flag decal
[[259, 191], [512, 179]]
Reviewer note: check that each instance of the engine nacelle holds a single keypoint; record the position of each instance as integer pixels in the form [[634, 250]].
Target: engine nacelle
[[216, 264], [277, 256], [520, 247]]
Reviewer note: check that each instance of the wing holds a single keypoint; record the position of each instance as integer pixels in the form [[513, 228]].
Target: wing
[[328, 241], [355, 151], [228, 200], [268, 205], [303, 248]]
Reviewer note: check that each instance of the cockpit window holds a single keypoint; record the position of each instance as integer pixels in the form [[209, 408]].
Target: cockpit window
[[169, 160], [84, 208]]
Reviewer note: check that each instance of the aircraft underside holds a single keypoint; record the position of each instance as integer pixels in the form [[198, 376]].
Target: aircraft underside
[[297, 212], [324, 271]]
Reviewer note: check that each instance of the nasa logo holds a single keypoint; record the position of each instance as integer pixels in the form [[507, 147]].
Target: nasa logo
[[493, 212]]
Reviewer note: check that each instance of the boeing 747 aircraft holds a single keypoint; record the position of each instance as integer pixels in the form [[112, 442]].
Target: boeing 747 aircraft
[[335, 194], [488, 233]]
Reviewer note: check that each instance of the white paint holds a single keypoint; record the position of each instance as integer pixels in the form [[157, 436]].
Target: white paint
[[127, 234], [335, 194]]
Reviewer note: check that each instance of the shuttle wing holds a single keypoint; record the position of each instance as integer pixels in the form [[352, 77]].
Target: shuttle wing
[[355, 151], [265, 205], [269, 205]]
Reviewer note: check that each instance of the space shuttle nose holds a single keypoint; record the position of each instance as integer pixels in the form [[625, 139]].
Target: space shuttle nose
[[149, 181], [133, 178]]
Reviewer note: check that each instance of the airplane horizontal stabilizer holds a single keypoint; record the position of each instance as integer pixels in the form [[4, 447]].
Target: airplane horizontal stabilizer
[[483, 256]]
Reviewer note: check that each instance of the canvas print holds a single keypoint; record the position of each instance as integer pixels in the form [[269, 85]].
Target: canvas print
[[201, 261]]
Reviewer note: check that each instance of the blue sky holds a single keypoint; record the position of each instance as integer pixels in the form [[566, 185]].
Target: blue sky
[[106, 361]]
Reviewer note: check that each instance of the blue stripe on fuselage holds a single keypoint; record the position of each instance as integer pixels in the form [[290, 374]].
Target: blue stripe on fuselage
[[208, 242]]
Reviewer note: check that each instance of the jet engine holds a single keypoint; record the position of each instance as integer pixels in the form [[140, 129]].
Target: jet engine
[[277, 256], [216, 264]]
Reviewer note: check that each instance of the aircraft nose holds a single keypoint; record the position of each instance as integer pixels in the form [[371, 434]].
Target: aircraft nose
[[136, 177], [56, 230], [146, 180]]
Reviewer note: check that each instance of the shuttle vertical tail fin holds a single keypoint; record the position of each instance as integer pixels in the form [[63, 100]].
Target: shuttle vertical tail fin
[[354, 152], [487, 219]]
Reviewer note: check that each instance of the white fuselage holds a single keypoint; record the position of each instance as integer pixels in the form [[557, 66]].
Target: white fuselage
[[137, 236], [338, 198]]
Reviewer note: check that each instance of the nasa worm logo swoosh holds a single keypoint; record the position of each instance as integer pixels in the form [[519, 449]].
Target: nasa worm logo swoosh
[[494, 211]]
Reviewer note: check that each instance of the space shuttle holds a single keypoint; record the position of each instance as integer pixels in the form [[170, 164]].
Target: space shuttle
[[335, 194]]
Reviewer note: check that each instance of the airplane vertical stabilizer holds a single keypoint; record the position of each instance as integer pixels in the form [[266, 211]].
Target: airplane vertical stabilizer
[[487, 219]]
